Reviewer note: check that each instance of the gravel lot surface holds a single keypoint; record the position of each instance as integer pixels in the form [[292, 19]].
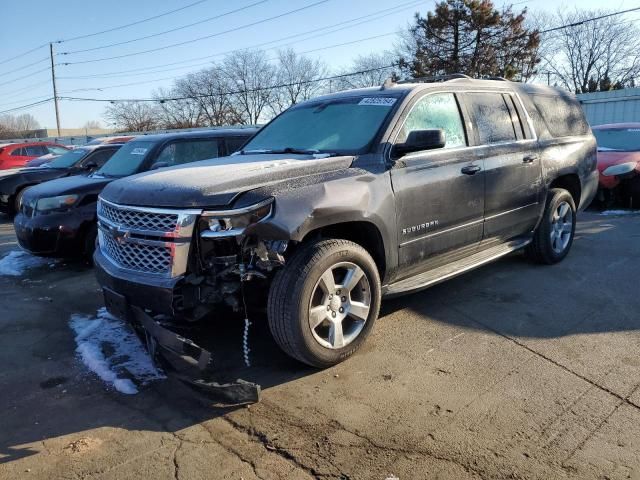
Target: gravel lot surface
[[511, 371]]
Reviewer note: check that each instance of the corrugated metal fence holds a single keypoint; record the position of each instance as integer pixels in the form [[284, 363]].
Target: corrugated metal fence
[[615, 106]]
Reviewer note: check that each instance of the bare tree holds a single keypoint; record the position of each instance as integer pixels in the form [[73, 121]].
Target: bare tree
[[178, 113], [250, 77], [92, 125], [589, 56], [17, 125], [299, 76], [375, 68], [133, 116], [208, 90]]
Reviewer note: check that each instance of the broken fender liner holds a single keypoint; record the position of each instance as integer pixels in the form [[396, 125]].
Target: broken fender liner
[[176, 349]]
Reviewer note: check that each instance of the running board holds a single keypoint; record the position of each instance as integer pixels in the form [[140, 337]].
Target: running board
[[445, 272]]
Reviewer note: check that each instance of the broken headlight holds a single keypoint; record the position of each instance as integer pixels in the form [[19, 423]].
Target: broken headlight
[[228, 223]]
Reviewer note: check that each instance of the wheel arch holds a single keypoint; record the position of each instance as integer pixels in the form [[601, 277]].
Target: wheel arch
[[364, 233], [571, 183]]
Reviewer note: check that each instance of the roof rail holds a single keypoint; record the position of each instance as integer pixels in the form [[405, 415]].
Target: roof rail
[[437, 78], [495, 77]]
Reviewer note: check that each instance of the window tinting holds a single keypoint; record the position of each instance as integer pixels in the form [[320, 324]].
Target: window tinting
[[18, 152], [436, 111], [56, 150], [188, 151], [562, 114], [36, 150], [491, 118], [235, 143], [100, 157]]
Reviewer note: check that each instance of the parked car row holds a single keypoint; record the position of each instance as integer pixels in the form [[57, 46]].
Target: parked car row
[[337, 202], [16, 155]]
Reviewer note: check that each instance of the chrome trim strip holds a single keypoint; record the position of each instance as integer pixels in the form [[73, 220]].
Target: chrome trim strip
[[236, 211], [175, 211], [458, 227], [447, 230]]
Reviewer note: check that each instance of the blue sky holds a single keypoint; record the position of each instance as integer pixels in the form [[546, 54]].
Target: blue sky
[[30, 23]]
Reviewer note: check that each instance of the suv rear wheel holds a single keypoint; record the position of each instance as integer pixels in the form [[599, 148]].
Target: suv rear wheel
[[324, 301], [554, 236]]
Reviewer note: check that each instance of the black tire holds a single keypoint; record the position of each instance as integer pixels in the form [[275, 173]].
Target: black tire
[[16, 201], [90, 241], [541, 249], [291, 293]]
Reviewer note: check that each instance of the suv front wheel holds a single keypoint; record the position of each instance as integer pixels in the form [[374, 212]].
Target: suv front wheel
[[324, 301], [554, 236]]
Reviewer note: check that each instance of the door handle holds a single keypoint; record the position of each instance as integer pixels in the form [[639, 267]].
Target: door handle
[[470, 169], [529, 158]]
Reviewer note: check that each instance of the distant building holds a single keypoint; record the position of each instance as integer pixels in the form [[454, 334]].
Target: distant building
[[614, 106]]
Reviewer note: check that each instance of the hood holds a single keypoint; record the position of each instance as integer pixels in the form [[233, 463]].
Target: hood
[[9, 172], [78, 184], [608, 158], [217, 182]]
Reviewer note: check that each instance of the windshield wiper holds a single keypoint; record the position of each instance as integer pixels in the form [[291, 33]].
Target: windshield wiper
[[298, 151]]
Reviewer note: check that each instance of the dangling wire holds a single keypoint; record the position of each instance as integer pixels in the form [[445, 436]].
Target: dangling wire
[[247, 324]]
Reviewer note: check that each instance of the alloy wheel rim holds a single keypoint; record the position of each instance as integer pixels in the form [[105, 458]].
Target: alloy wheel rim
[[561, 227], [339, 305]]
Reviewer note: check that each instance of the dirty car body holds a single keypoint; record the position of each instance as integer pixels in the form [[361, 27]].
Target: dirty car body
[[373, 178]]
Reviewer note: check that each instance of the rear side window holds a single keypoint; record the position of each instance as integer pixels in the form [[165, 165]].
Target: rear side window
[[491, 117], [563, 115], [439, 110], [36, 150], [178, 153], [18, 152], [235, 143], [100, 157]]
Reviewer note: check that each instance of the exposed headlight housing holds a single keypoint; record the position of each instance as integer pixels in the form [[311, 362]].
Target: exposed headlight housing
[[53, 204], [620, 169], [231, 223]]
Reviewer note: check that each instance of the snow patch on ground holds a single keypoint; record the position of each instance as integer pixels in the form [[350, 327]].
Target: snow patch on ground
[[17, 262], [620, 212], [110, 349]]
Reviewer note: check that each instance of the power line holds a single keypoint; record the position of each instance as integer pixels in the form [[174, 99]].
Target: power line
[[24, 66], [133, 23], [26, 87], [186, 42], [232, 92], [23, 107], [24, 76], [6, 60], [23, 100], [173, 77], [378, 15], [165, 31], [587, 20]]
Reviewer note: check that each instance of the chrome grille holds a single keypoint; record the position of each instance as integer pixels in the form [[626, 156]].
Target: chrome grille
[[139, 257], [146, 240], [138, 220]]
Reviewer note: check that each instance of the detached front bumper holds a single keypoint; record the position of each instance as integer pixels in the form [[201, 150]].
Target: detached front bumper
[[54, 235], [192, 364]]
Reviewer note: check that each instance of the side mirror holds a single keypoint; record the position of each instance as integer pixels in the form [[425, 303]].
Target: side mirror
[[419, 140], [90, 166], [158, 165]]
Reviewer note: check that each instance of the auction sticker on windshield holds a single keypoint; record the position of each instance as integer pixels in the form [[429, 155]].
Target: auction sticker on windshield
[[378, 101], [139, 151]]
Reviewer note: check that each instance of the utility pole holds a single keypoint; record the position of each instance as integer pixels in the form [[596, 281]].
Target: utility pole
[[55, 91]]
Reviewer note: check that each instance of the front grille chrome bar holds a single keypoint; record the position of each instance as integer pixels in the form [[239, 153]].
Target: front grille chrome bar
[[149, 241]]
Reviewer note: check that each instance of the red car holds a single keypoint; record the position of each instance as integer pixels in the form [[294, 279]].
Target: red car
[[15, 155], [619, 162]]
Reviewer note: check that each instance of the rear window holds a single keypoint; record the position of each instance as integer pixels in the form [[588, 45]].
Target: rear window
[[563, 115], [618, 139], [492, 118]]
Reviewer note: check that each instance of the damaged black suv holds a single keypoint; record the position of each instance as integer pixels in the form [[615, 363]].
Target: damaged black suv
[[344, 199]]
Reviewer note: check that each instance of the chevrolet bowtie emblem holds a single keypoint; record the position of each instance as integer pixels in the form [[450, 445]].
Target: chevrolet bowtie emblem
[[118, 235]]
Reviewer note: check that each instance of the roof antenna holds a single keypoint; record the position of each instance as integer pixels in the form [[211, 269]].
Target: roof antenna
[[388, 83]]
